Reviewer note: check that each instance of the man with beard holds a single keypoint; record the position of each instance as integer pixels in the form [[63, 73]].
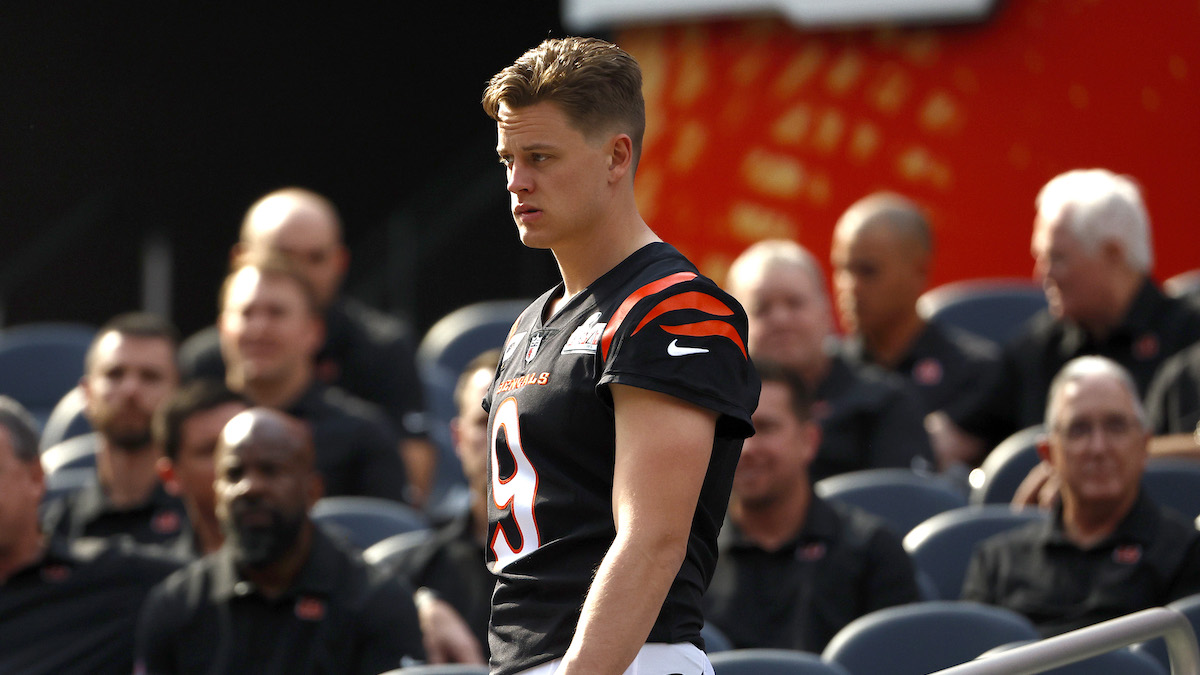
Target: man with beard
[[129, 369], [279, 596]]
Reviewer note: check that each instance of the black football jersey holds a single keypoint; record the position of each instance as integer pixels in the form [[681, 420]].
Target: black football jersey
[[651, 322]]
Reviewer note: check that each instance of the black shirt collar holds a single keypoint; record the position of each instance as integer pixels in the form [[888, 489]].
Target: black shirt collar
[[1138, 526], [1138, 320], [821, 524], [319, 575]]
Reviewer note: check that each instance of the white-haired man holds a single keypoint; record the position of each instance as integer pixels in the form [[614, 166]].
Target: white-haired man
[[1091, 244]]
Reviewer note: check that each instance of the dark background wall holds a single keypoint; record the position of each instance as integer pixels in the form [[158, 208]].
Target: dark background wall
[[120, 122]]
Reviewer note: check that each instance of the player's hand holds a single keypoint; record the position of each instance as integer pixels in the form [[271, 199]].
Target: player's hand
[[446, 635], [1039, 488]]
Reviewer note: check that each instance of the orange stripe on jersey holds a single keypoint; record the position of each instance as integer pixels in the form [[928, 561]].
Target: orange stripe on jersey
[[633, 299], [713, 328], [690, 300]]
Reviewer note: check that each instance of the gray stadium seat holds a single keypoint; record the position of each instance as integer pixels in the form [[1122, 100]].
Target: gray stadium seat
[[900, 497], [941, 547], [41, 362], [924, 637], [1184, 284], [1116, 662], [364, 521], [991, 308], [1157, 648], [772, 662], [997, 478], [386, 551], [1174, 482], [66, 419], [715, 639]]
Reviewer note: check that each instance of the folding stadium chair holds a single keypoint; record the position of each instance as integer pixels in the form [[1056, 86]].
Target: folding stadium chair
[[387, 551], [76, 453], [941, 547], [991, 308], [1174, 482], [998, 477], [715, 639], [40, 362], [1157, 648], [363, 521], [1184, 284], [1116, 662], [772, 662], [924, 637], [901, 497], [444, 351], [66, 419]]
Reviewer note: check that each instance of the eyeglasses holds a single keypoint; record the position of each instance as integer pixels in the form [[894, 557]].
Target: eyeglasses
[[1113, 426]]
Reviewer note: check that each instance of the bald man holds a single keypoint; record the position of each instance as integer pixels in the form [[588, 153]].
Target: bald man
[[279, 595], [881, 257], [365, 352]]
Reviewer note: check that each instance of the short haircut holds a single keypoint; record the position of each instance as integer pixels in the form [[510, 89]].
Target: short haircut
[[1090, 366], [902, 214], [486, 361], [22, 429], [801, 394], [299, 194], [274, 266], [595, 83], [195, 397], [134, 324], [1098, 206], [771, 252]]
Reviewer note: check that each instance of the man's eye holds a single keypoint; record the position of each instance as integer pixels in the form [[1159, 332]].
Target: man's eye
[[506, 161], [538, 157]]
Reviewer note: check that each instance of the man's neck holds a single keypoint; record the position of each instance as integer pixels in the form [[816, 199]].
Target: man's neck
[[1124, 290], [127, 476], [275, 578], [1086, 525], [587, 258], [205, 528], [892, 343], [771, 525], [279, 394], [22, 554]]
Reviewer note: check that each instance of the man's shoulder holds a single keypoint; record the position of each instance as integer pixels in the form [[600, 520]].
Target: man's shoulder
[[961, 345], [369, 325], [860, 530], [863, 385], [200, 354], [333, 403]]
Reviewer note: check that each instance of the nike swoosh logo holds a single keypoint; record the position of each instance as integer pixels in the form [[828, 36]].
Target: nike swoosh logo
[[675, 350]]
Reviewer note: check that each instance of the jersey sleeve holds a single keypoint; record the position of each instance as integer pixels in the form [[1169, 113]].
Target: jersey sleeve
[[684, 337]]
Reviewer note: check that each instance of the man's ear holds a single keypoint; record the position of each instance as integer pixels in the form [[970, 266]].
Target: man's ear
[[316, 488], [620, 157], [1043, 449], [165, 469]]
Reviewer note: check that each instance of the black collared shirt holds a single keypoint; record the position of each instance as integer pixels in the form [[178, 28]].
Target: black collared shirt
[[366, 352], [944, 365], [340, 616], [1154, 328], [1152, 558], [75, 609], [1173, 401], [869, 419], [88, 512], [452, 563], [357, 453], [844, 563]]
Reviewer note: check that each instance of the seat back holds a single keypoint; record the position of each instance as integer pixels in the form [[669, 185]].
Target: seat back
[[941, 547], [902, 498], [924, 637], [445, 350], [998, 477], [715, 639], [41, 362], [1174, 482], [991, 308], [387, 551], [76, 453], [363, 521], [1184, 284], [772, 662], [1157, 648], [442, 669], [66, 419]]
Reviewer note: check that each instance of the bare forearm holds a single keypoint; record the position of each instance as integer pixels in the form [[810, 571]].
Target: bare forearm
[[625, 599]]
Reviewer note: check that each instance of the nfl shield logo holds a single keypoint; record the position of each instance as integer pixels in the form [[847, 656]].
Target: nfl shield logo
[[534, 343]]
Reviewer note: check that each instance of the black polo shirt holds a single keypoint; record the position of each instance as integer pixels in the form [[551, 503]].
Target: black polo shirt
[[1154, 328], [1173, 401], [869, 419], [366, 352], [88, 512], [340, 616], [946, 366], [844, 563], [357, 452], [452, 563], [75, 609], [1152, 558]]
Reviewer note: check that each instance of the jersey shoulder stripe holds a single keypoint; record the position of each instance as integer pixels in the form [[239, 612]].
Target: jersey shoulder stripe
[[633, 299], [698, 301]]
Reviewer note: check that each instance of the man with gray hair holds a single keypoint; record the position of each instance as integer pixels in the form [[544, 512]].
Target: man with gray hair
[[1092, 251], [64, 607], [1109, 549]]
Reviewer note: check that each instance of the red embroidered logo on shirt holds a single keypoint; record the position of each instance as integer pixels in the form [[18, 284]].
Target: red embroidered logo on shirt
[[309, 608], [1146, 347], [1129, 554], [927, 372], [811, 552], [165, 522], [55, 573]]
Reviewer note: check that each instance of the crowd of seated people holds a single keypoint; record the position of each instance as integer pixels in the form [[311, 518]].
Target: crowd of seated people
[[209, 456]]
